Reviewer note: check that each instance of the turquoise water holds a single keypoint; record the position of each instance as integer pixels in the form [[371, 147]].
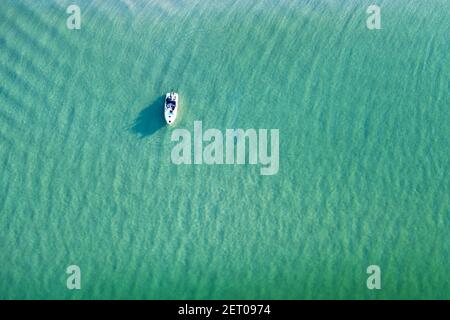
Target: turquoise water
[[87, 179]]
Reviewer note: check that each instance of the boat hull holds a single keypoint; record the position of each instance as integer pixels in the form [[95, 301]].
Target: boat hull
[[171, 105]]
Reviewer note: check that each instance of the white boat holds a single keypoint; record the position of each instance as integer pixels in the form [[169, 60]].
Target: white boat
[[171, 107]]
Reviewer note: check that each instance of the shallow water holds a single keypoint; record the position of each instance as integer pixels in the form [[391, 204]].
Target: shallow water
[[87, 177]]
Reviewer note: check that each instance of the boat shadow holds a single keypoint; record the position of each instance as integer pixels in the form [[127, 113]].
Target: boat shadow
[[150, 119]]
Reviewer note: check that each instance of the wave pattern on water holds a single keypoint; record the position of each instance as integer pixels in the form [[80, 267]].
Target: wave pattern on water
[[85, 156]]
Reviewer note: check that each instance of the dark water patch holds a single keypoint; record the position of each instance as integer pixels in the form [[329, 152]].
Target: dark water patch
[[53, 28], [20, 84], [13, 102], [23, 63], [27, 39], [150, 119]]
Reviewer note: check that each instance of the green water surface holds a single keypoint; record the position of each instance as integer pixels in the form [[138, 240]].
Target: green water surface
[[87, 179]]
